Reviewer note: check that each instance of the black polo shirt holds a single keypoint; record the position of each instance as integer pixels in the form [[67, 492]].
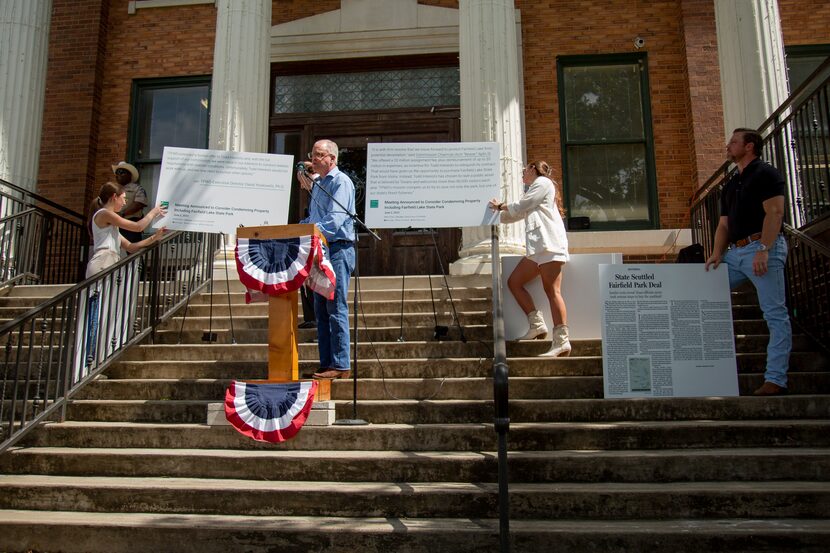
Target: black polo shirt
[[744, 195]]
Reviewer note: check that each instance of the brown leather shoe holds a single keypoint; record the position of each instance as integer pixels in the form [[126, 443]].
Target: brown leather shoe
[[331, 374], [770, 389]]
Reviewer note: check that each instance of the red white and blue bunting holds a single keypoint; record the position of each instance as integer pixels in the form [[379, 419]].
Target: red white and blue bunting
[[272, 267], [269, 412]]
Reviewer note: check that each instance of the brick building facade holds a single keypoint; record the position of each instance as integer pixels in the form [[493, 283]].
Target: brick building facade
[[97, 49]]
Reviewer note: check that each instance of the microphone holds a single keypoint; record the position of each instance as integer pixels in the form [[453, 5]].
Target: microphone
[[301, 168]]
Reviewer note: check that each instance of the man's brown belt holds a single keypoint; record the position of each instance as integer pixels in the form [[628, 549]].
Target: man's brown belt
[[744, 241]]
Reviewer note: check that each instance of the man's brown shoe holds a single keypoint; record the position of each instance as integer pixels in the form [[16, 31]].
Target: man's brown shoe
[[770, 389], [331, 374]]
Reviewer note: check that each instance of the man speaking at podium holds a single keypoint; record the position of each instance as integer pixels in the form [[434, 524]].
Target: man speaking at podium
[[332, 202]]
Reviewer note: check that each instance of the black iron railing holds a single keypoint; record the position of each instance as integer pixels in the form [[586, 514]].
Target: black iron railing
[[797, 142], [501, 420], [40, 241], [808, 284], [52, 351]]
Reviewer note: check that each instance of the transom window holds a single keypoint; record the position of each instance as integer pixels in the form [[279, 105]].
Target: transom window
[[366, 90], [607, 145]]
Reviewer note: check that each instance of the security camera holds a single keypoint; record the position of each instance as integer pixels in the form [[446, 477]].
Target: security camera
[[639, 42]]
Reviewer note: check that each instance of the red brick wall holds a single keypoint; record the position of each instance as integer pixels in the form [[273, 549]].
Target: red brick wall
[[71, 119], [97, 49], [706, 136], [568, 27], [162, 42], [805, 21]]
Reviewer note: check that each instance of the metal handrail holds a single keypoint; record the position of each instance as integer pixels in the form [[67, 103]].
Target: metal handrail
[[808, 285], [52, 351], [40, 241], [797, 142], [501, 374], [27, 197]]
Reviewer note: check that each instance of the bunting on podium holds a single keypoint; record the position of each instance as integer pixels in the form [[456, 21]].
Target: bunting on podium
[[269, 412], [272, 267]]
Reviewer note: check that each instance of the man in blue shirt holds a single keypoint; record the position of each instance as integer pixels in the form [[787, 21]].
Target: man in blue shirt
[[332, 200]]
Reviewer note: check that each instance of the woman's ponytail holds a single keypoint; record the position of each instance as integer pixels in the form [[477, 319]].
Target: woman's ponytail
[[108, 190]]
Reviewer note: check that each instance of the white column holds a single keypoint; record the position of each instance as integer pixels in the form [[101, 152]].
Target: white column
[[752, 67], [241, 76], [491, 112], [24, 43]]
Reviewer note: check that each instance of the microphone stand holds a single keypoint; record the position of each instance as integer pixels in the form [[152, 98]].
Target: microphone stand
[[354, 421]]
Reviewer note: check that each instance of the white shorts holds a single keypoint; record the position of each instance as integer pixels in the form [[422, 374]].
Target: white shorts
[[546, 257]]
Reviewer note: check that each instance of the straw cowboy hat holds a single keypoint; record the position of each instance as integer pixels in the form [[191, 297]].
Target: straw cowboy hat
[[128, 167]]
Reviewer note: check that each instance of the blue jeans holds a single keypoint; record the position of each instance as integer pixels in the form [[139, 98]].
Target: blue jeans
[[333, 315], [772, 299]]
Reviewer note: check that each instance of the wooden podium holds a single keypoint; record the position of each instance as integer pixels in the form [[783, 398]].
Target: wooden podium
[[283, 358]]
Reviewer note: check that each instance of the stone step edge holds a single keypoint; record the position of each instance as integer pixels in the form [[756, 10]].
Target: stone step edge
[[142, 522], [369, 455], [49, 482], [448, 402]]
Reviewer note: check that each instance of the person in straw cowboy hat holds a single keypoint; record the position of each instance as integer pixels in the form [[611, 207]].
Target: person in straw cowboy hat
[[127, 176]]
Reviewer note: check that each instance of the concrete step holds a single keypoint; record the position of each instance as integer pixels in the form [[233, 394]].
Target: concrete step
[[425, 350], [224, 335], [457, 389], [220, 286], [391, 294], [469, 436], [442, 306], [566, 466], [370, 367], [790, 499], [38, 291], [391, 320], [73, 532], [433, 407]]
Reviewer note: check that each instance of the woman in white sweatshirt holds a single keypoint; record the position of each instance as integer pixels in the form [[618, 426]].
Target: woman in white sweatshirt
[[547, 251]]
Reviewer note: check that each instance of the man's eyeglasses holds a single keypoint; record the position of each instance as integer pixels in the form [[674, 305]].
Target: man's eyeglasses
[[318, 155]]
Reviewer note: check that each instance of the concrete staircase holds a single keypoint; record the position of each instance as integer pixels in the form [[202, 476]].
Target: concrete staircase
[[135, 468]]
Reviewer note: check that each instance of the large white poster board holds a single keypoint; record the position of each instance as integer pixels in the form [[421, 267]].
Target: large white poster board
[[580, 282], [217, 191], [667, 331], [426, 185]]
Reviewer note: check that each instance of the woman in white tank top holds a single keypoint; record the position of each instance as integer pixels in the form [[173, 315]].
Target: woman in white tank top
[[104, 224]]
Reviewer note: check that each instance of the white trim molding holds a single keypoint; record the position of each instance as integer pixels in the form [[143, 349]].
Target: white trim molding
[[134, 5], [367, 28]]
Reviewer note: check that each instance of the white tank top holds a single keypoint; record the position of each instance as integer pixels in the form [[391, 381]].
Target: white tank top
[[106, 238]]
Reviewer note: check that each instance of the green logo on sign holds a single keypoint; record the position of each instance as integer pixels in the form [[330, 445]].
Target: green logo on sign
[[373, 203]]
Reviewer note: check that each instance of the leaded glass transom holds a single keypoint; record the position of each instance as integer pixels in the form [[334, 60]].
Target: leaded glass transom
[[399, 88]]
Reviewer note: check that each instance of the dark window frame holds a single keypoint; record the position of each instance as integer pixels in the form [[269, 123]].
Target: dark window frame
[[803, 51], [158, 83], [640, 58]]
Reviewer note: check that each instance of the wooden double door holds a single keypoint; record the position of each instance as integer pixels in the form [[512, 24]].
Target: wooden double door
[[400, 251]]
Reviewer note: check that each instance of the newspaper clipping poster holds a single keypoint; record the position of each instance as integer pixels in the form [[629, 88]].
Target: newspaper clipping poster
[[667, 331]]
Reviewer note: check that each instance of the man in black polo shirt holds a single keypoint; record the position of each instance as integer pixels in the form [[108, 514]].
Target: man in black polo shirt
[[752, 212]]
